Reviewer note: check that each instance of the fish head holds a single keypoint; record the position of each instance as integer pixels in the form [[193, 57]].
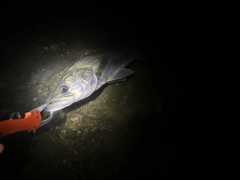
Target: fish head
[[71, 88]]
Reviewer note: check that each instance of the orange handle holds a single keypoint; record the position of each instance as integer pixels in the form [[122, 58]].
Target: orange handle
[[30, 122]]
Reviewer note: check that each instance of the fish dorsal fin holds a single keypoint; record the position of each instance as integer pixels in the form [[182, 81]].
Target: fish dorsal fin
[[120, 75]]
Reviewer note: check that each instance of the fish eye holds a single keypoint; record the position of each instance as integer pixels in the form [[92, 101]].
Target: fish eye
[[63, 89]]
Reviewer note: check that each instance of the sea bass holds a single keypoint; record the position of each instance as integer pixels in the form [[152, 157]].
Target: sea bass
[[88, 74]]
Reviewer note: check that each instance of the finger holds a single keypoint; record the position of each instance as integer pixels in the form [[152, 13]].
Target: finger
[[1, 148]]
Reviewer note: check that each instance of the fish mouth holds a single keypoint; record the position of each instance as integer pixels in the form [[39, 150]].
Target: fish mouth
[[56, 105]]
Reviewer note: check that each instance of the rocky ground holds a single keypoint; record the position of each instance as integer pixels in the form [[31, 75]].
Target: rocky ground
[[113, 133]]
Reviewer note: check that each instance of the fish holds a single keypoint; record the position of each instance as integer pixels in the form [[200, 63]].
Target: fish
[[102, 66]]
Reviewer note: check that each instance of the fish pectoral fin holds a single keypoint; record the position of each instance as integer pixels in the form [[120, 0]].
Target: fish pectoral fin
[[120, 75], [102, 66]]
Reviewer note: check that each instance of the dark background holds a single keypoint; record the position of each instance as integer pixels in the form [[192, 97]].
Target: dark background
[[171, 37]]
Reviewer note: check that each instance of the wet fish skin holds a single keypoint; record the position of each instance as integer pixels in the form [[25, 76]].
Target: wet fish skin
[[88, 74]]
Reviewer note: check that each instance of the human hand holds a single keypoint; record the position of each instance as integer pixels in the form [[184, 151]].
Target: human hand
[[1, 148]]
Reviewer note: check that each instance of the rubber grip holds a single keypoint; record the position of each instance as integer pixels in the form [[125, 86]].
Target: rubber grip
[[30, 122]]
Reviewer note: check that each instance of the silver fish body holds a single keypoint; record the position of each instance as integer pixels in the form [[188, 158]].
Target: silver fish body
[[88, 74]]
